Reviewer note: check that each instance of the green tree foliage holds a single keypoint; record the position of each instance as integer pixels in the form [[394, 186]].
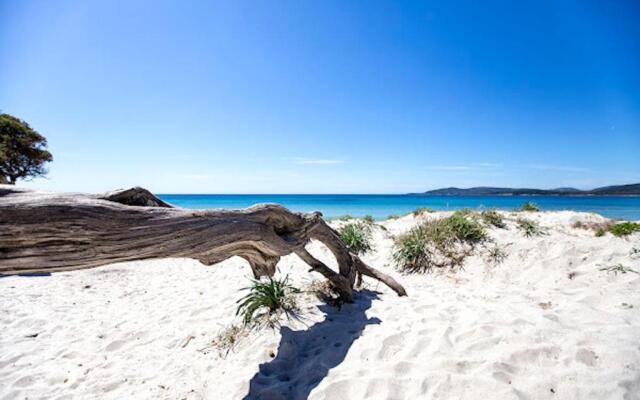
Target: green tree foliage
[[23, 151]]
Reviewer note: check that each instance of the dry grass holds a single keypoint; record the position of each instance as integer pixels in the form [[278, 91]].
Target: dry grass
[[618, 269], [228, 338]]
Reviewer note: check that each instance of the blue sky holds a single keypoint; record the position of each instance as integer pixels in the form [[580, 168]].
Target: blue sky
[[324, 96]]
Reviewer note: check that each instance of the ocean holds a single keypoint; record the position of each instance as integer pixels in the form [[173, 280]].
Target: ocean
[[382, 206]]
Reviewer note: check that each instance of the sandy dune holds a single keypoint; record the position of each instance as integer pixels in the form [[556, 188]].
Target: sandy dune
[[520, 330]]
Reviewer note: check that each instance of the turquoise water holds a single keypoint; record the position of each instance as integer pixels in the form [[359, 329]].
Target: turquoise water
[[381, 206]]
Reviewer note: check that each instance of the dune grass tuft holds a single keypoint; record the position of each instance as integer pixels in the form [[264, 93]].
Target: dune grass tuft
[[496, 254], [466, 228], [530, 228], [530, 206], [579, 225], [357, 236], [368, 219], [492, 218], [422, 210], [624, 228], [266, 301], [438, 243]]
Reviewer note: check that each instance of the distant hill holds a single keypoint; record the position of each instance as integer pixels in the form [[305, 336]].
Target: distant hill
[[633, 189]]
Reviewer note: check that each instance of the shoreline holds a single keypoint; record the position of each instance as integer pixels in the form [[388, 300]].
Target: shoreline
[[382, 206]]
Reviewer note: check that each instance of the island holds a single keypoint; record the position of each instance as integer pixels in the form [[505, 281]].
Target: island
[[615, 190]]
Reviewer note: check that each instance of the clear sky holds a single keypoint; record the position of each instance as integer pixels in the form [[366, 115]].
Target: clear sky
[[324, 96]]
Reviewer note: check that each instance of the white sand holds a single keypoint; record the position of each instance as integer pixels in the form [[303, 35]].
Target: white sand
[[521, 330]]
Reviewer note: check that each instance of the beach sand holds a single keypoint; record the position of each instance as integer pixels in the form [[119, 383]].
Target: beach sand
[[545, 324]]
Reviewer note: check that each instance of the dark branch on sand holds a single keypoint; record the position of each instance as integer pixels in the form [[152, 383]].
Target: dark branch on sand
[[48, 232]]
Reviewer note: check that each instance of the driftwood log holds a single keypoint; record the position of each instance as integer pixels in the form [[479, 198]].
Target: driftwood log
[[48, 232]]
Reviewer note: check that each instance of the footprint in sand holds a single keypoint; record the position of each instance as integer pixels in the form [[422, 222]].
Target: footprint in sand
[[545, 355], [501, 376], [25, 381], [391, 346], [587, 357], [115, 345]]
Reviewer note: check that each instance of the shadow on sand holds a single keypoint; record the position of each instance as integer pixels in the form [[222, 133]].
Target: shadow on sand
[[306, 356]]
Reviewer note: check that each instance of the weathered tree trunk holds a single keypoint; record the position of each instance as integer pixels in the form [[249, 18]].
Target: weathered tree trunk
[[48, 232]]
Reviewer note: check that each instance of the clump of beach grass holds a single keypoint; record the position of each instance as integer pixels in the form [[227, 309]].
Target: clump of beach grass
[[529, 227], [530, 206], [267, 301], [599, 228], [579, 225], [422, 210], [465, 211], [624, 228], [492, 218], [393, 216], [496, 254], [368, 219], [438, 243], [356, 236], [465, 228]]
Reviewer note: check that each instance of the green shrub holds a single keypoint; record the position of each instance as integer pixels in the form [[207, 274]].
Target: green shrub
[[422, 210], [393, 216], [492, 218], [438, 243], [600, 232], [266, 301], [356, 236], [529, 206], [530, 228], [624, 228]]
